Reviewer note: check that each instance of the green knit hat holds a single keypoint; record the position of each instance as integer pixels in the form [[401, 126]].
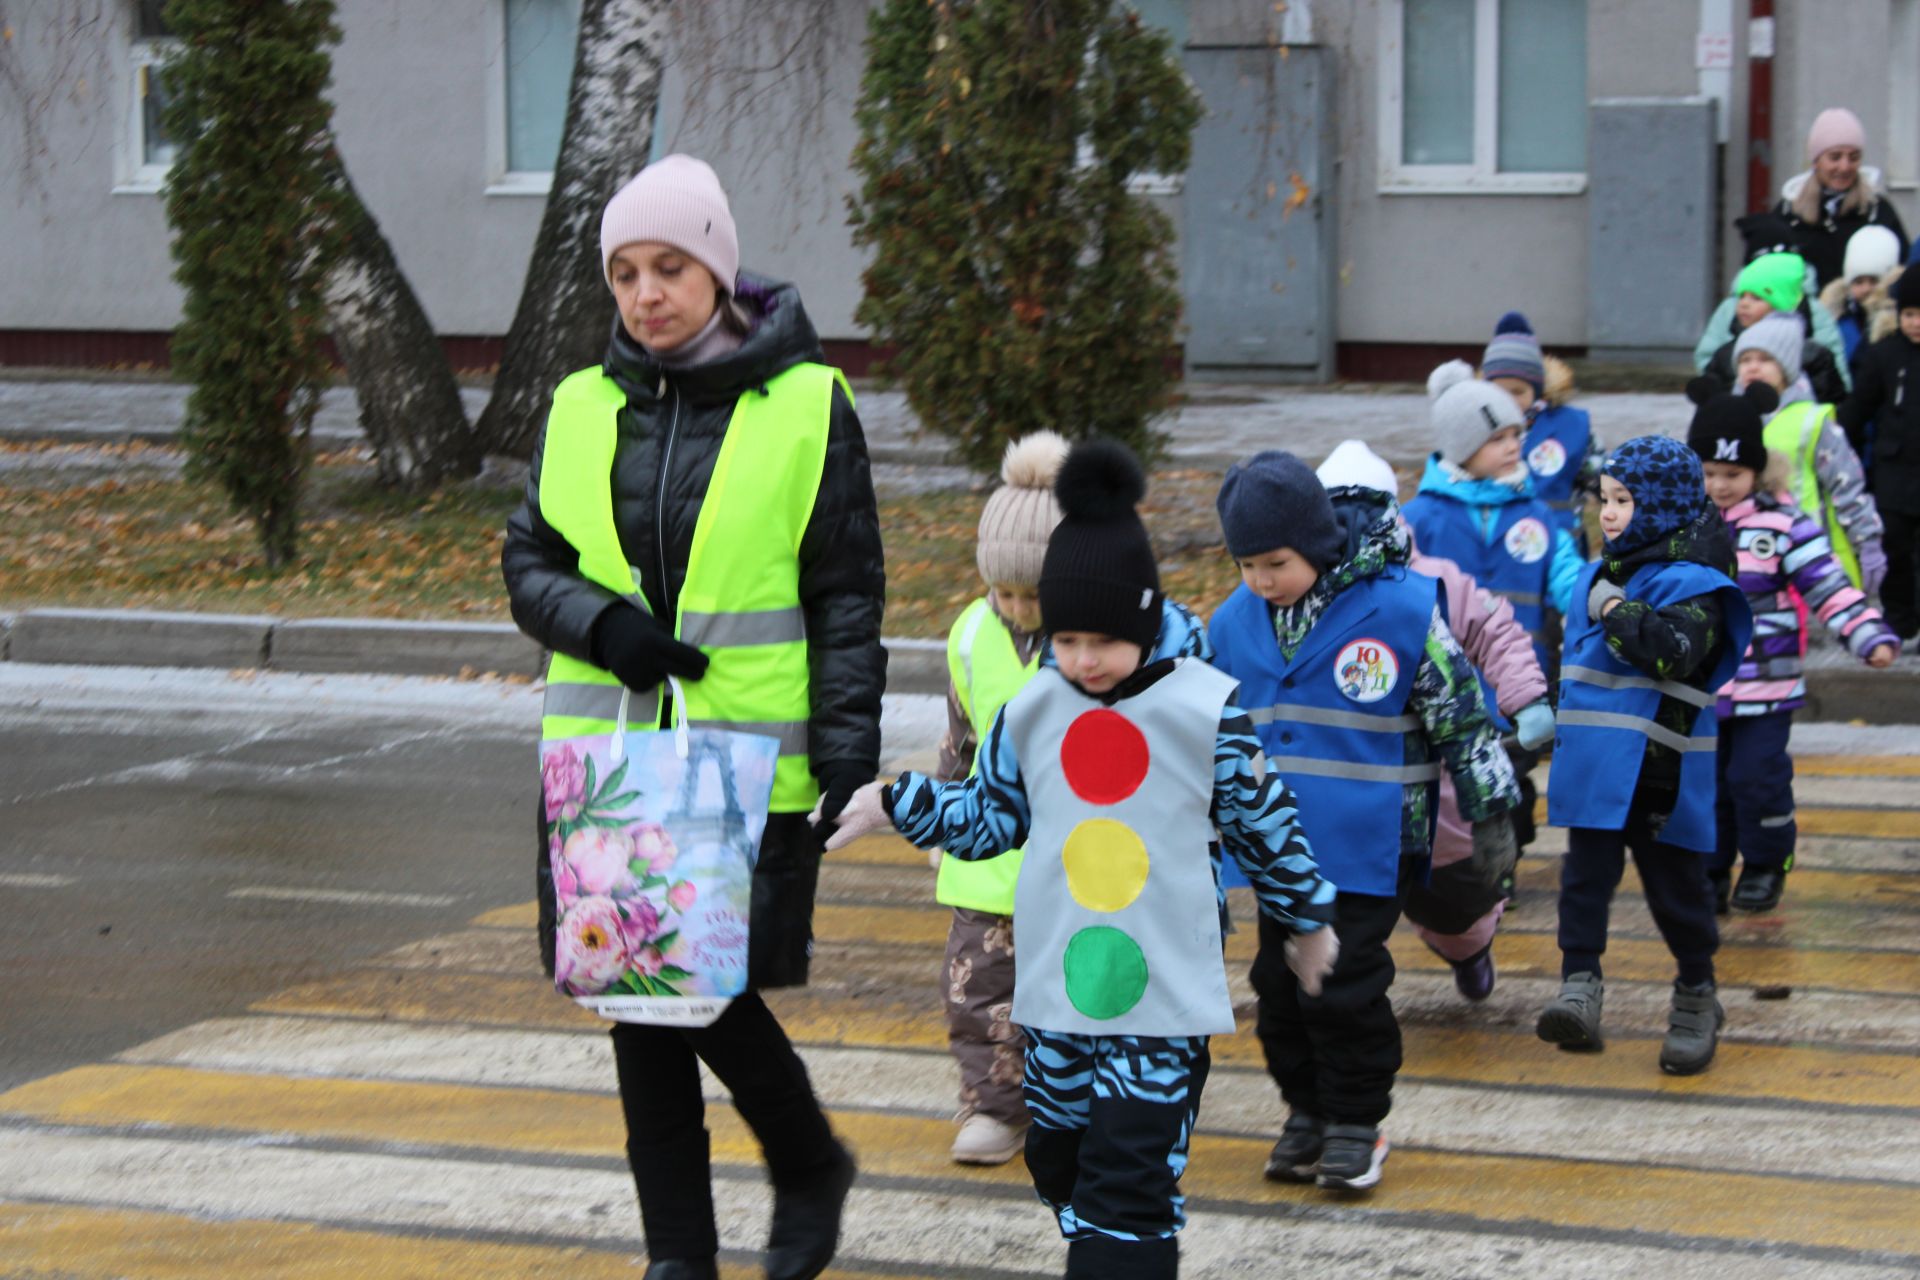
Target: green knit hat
[[1779, 278]]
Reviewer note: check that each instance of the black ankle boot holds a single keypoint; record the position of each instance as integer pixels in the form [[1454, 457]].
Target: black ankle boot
[[682, 1269], [806, 1220]]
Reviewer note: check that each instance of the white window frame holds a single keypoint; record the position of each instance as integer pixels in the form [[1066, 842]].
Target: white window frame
[[1482, 177], [502, 181], [144, 54]]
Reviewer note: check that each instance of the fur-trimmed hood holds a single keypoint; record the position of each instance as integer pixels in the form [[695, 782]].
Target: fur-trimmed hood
[[1869, 175], [1883, 317], [1834, 297], [1557, 389]]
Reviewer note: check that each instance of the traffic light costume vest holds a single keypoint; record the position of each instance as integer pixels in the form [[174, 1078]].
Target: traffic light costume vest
[[1119, 928]]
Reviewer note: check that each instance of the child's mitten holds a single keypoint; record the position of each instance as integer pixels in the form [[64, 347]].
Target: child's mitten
[[1534, 725], [1311, 956], [1602, 592]]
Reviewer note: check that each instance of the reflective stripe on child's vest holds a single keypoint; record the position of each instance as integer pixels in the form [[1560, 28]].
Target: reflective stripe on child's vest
[[740, 603], [1607, 712], [987, 673], [1334, 720], [1795, 432]]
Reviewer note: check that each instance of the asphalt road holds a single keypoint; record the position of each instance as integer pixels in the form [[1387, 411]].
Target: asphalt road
[[173, 848]]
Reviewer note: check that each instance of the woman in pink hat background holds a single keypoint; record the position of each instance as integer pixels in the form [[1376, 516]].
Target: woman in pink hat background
[[1836, 195]]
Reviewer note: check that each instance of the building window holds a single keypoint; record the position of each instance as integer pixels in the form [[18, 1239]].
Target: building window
[[150, 149], [1483, 95], [537, 46]]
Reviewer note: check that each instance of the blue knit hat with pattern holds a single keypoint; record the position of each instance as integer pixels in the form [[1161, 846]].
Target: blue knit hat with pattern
[[1669, 494], [1514, 353]]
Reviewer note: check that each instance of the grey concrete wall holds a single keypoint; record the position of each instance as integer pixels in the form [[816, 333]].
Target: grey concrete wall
[[1652, 205], [1824, 58]]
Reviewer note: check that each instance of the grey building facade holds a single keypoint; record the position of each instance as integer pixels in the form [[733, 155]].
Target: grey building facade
[[1376, 181]]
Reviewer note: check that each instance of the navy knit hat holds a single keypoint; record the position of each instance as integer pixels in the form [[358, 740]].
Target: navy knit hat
[[1730, 426], [1099, 572], [1514, 353], [1274, 500], [1668, 490]]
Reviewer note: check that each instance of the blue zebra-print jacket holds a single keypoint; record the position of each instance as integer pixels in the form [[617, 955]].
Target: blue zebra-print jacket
[[986, 814]]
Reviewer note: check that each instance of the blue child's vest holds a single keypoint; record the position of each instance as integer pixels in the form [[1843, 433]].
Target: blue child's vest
[[1556, 448], [1514, 562], [1607, 707], [1333, 720]]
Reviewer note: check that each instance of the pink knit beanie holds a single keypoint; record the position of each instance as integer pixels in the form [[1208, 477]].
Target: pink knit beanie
[[676, 201], [1835, 127]]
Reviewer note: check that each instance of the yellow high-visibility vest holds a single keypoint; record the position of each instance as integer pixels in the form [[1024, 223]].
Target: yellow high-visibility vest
[[1795, 432], [740, 604], [987, 673]]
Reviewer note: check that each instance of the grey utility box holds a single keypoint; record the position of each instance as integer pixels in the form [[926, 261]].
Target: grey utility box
[[1653, 202]]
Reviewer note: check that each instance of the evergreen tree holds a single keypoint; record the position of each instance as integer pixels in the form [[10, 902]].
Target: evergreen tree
[[256, 231], [1022, 283]]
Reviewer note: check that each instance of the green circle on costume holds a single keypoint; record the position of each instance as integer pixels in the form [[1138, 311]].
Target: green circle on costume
[[1106, 972], [1106, 864]]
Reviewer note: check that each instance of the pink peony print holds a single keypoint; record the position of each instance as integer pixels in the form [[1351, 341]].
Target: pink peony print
[[592, 951], [563, 783], [652, 845], [643, 922], [649, 961], [599, 858], [566, 886], [681, 895]]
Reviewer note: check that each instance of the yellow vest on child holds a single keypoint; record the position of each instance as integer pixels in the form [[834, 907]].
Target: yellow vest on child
[[987, 673]]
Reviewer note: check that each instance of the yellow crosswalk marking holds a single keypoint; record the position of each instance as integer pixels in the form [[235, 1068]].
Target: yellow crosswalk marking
[[1505, 1189], [63, 1242], [1806, 886], [1858, 766]]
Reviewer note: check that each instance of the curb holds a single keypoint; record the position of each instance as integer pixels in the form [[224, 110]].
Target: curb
[[464, 650], [329, 646]]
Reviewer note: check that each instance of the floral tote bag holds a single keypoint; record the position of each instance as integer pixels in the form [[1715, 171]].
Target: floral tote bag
[[653, 839]]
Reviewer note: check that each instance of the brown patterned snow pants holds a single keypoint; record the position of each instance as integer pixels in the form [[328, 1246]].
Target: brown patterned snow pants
[[978, 993]]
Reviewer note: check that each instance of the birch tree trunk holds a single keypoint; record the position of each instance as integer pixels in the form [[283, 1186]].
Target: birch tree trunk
[[410, 405], [565, 309]]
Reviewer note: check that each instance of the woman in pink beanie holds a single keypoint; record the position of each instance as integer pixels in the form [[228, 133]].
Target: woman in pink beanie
[[700, 507], [1836, 195]]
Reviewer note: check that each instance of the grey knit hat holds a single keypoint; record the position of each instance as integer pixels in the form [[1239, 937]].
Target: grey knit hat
[[1020, 515], [1780, 335], [1466, 411]]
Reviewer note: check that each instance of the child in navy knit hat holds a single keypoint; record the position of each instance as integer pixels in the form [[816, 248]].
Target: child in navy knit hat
[[1560, 447], [1658, 625], [1361, 696]]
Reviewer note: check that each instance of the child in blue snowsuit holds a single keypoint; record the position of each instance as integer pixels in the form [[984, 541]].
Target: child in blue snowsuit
[[1113, 771], [1660, 625]]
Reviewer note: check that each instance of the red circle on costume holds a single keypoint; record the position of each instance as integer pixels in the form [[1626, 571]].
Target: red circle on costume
[[1104, 756]]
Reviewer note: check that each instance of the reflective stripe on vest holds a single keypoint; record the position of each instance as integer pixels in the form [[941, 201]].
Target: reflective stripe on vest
[[1639, 724], [740, 603], [1618, 680], [1795, 431], [987, 672]]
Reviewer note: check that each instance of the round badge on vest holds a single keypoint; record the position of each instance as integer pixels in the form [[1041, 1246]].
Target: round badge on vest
[[1527, 540], [1761, 545], [1366, 670], [1548, 458]]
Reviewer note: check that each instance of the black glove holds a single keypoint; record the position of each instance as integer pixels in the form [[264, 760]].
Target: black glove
[[837, 787], [638, 649]]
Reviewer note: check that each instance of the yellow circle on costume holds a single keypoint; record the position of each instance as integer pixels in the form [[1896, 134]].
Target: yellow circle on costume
[[1106, 864]]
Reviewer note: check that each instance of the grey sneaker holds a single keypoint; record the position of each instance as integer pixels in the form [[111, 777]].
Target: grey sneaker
[[1351, 1158], [1296, 1156], [1572, 1018], [1693, 1030]]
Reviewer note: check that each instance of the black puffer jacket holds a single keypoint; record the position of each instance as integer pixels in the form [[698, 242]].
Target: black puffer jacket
[[669, 438], [1886, 393]]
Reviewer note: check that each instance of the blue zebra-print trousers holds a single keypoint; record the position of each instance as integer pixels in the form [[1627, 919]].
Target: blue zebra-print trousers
[[1112, 1117]]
